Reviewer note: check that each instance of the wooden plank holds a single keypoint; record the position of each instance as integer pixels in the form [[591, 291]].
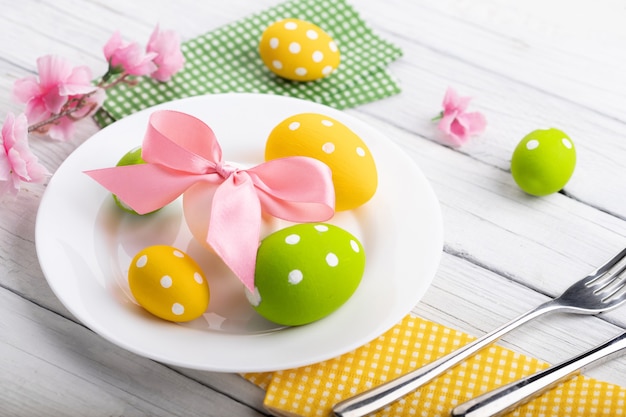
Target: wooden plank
[[65, 369]]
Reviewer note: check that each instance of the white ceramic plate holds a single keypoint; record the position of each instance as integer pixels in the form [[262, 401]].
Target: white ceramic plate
[[85, 243]]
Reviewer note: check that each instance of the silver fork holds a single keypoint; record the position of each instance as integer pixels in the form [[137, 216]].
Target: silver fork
[[600, 291]]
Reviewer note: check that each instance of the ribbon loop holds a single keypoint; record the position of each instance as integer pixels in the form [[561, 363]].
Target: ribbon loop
[[181, 150]]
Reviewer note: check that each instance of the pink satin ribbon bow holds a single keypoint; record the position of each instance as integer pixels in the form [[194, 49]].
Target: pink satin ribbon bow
[[181, 150]]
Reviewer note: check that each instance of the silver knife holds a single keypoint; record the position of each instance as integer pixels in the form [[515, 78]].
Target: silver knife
[[508, 397]]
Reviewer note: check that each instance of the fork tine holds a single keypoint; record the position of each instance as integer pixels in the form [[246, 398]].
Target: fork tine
[[606, 276], [612, 280], [616, 295]]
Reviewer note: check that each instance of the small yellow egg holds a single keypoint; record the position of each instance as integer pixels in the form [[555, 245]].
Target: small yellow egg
[[168, 283], [321, 137], [298, 50]]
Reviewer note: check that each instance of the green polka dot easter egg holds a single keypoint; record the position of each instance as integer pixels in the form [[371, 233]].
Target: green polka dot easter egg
[[168, 283], [305, 272], [132, 157], [543, 162]]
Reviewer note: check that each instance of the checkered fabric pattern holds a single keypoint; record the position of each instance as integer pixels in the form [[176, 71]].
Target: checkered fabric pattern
[[226, 60], [313, 390]]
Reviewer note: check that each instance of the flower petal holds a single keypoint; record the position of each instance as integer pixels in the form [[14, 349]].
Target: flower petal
[[474, 122], [169, 59], [26, 88], [113, 44], [53, 70], [453, 102], [17, 162]]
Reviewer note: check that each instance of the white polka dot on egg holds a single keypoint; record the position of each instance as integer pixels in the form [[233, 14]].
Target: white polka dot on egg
[[294, 47], [532, 144], [291, 26], [327, 123], [311, 34], [254, 298], [355, 246], [332, 260], [295, 276], [318, 56], [179, 254], [142, 261], [292, 239], [328, 147], [274, 43], [166, 281], [360, 151], [567, 143], [321, 227], [198, 277], [178, 309], [294, 125]]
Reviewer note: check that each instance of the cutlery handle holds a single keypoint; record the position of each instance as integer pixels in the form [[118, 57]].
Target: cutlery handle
[[506, 398], [378, 397]]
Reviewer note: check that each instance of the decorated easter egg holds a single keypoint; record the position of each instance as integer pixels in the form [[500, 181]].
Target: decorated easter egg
[[298, 50], [321, 137], [543, 162], [168, 283], [132, 157], [305, 272]]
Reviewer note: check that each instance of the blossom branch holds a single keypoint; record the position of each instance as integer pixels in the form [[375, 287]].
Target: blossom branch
[[73, 105], [63, 94]]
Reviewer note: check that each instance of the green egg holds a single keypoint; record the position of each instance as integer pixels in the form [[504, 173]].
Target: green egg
[[543, 162], [132, 157], [305, 272]]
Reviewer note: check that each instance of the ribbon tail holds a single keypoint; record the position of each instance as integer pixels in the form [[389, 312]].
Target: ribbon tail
[[235, 226], [143, 187]]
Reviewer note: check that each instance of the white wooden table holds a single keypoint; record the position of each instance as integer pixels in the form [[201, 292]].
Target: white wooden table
[[528, 65]]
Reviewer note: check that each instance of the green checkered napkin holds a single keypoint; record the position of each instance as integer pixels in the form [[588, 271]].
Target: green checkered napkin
[[227, 60]]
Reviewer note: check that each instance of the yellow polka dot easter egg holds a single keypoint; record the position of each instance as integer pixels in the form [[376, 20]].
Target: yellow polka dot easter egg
[[321, 137], [298, 50], [168, 283]]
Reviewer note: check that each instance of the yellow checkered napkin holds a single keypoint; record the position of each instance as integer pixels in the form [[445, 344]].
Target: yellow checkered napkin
[[313, 390]]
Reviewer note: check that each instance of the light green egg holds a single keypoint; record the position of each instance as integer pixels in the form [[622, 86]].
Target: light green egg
[[305, 272], [543, 162], [132, 157]]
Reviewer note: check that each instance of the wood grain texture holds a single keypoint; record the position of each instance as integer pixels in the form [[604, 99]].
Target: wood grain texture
[[528, 65]]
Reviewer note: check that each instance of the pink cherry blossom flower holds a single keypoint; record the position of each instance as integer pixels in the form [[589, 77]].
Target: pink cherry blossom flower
[[169, 59], [48, 95], [456, 123], [17, 163], [128, 56]]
